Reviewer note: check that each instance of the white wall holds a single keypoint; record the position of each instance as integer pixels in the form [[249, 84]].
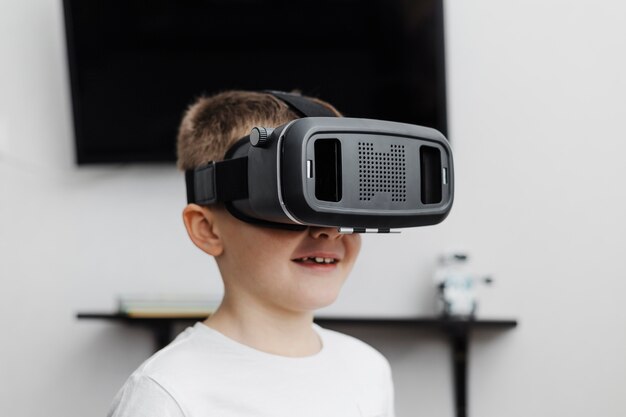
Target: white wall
[[537, 104]]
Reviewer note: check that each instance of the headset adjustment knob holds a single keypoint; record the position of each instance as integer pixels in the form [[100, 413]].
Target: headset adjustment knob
[[260, 136]]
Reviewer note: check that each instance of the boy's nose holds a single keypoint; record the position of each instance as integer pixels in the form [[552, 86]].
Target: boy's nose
[[324, 232]]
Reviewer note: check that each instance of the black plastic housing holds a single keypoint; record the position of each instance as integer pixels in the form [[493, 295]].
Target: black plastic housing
[[387, 174]]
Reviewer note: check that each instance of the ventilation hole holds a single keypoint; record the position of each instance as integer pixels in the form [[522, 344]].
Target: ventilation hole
[[382, 172]]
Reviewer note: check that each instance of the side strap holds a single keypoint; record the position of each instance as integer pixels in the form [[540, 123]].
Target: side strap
[[218, 182]]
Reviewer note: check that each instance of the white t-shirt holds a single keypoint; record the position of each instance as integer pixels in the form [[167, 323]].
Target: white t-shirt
[[203, 373]]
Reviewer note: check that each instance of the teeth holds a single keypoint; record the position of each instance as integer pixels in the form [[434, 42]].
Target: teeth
[[318, 260]]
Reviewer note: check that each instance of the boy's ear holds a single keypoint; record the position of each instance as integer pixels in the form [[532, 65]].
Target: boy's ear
[[202, 228]]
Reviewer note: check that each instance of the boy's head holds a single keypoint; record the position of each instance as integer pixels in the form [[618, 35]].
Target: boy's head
[[261, 267]]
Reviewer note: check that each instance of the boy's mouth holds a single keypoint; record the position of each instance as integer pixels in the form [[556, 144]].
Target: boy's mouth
[[316, 260]]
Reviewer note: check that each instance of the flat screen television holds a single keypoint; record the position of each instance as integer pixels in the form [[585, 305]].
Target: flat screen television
[[135, 65]]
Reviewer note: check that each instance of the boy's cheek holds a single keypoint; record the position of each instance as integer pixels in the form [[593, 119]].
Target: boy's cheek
[[354, 246]]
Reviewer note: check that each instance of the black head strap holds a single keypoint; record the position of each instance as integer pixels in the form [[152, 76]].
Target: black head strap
[[304, 106], [216, 182], [221, 181]]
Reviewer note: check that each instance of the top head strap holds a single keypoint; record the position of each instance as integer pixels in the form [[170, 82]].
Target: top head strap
[[305, 107]]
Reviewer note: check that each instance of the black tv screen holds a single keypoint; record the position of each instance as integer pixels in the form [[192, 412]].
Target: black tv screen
[[135, 65]]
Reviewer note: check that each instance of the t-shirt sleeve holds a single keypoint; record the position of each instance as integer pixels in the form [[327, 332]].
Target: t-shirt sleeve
[[142, 396]]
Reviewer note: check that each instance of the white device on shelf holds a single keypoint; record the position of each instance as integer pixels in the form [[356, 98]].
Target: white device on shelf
[[456, 284]]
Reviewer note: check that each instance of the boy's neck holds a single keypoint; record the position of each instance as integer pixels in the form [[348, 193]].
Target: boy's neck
[[279, 332]]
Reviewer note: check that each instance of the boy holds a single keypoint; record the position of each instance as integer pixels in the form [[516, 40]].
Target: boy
[[259, 354]]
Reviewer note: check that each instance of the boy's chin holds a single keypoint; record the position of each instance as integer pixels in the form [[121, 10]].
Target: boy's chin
[[313, 302]]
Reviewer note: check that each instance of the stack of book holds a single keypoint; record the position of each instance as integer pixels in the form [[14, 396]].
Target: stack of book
[[167, 306]]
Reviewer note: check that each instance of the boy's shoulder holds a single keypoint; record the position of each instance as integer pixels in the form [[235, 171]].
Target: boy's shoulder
[[202, 362], [188, 347], [202, 369]]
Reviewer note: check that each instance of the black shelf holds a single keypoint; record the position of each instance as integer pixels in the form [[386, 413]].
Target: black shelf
[[458, 333]]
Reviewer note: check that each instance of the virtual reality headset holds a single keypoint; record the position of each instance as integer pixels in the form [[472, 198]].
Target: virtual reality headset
[[358, 175]]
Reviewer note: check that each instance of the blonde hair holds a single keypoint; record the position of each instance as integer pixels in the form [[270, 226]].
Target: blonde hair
[[212, 124]]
